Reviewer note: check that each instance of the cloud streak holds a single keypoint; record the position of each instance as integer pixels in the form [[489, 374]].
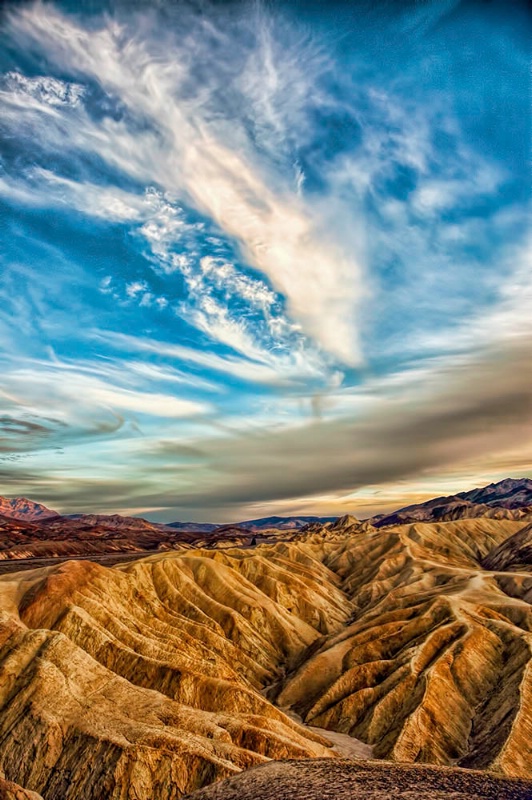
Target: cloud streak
[[464, 417], [465, 414]]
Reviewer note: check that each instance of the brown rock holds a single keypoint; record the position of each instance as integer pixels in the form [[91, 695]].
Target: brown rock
[[348, 780]]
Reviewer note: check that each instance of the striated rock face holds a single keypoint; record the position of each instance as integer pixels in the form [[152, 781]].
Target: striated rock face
[[151, 674], [347, 780], [435, 664], [160, 674], [514, 554]]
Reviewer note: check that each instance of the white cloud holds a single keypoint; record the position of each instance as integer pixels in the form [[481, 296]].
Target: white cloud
[[96, 398], [286, 370], [110, 203], [437, 195], [213, 319], [225, 276], [43, 188], [42, 89], [135, 288], [105, 284], [209, 164]]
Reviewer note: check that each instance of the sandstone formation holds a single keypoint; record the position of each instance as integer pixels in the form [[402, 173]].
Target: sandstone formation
[[176, 670], [151, 674], [435, 663], [12, 791]]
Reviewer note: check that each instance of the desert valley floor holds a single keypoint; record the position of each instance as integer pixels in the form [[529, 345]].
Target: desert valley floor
[[157, 677]]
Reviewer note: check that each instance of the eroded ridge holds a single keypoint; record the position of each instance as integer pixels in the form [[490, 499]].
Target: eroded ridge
[[435, 663], [159, 674], [151, 674], [349, 780]]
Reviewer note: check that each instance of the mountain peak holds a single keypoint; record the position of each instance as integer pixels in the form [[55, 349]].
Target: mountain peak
[[346, 521], [507, 493], [22, 508], [504, 499]]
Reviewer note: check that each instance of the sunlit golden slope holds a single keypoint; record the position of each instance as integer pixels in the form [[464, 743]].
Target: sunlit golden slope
[[150, 674], [435, 664]]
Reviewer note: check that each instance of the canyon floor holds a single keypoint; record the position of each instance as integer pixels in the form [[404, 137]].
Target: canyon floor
[[157, 677]]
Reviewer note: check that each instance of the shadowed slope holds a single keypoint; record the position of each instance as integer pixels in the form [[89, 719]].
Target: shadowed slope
[[347, 780], [515, 553]]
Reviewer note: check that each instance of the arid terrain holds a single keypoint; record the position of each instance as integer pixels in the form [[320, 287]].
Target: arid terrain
[[34, 535], [349, 780], [29, 532], [184, 667]]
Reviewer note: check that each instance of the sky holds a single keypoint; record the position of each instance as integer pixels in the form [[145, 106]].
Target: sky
[[263, 258]]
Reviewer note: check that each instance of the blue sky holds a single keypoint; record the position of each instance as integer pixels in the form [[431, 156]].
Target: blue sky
[[263, 258]]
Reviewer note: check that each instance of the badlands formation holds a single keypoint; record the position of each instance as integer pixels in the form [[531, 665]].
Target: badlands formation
[[155, 678]]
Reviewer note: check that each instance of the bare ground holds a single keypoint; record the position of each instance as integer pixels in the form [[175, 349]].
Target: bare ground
[[343, 779]]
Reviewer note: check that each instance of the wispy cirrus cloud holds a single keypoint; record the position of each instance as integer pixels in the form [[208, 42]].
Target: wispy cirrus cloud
[[172, 133], [90, 399], [43, 188], [461, 418], [282, 371]]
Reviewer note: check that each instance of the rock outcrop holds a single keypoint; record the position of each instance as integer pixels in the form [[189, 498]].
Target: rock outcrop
[[12, 791]]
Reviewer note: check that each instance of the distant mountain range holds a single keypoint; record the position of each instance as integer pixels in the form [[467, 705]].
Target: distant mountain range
[[29, 530], [509, 493], [283, 523], [23, 509], [499, 500], [262, 524]]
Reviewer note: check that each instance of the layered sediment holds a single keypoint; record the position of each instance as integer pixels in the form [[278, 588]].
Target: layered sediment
[[158, 677]]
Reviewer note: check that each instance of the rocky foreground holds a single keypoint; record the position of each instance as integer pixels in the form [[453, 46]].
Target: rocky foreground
[[349, 780], [157, 678]]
